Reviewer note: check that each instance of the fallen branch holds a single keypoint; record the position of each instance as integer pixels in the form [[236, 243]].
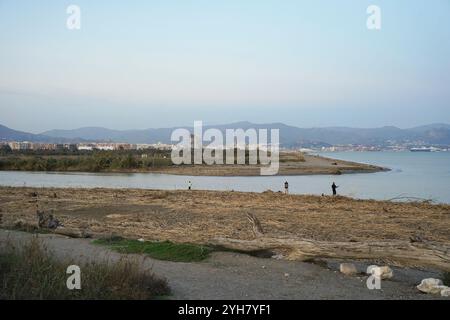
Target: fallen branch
[[402, 252], [256, 225], [72, 233], [401, 197]]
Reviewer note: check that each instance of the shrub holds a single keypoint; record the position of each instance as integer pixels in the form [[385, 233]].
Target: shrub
[[30, 272]]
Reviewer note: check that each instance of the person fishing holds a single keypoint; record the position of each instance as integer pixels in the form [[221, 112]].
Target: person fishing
[[286, 187], [334, 187]]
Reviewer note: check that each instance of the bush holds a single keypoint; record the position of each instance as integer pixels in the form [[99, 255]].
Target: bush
[[30, 272]]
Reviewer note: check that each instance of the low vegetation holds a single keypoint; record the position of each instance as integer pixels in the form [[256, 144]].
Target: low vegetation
[[100, 161], [104, 161], [31, 272], [165, 250]]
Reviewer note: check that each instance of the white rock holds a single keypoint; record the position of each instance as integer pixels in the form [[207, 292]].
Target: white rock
[[445, 292], [141, 240], [348, 268], [430, 285], [384, 272]]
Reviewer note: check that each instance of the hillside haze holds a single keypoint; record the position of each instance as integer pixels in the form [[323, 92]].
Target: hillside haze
[[290, 136], [8, 134]]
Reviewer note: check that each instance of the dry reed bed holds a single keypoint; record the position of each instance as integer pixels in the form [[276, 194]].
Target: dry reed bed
[[200, 216]]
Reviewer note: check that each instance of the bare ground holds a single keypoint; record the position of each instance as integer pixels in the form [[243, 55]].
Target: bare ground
[[203, 216], [237, 276]]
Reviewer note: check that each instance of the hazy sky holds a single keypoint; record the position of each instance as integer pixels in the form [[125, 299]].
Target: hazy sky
[[140, 64]]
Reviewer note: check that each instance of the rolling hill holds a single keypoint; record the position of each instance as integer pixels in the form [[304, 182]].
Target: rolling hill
[[290, 136]]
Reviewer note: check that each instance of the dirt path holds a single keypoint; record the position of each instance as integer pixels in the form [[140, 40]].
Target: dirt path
[[237, 276]]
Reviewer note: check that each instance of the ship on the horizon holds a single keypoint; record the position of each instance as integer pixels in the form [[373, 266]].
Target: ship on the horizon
[[421, 149]]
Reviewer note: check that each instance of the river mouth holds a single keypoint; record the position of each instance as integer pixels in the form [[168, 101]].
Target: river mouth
[[414, 176]]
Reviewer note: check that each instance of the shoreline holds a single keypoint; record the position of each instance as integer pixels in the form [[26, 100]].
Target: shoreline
[[221, 217]]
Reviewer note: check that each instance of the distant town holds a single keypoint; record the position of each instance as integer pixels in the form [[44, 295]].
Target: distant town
[[25, 145], [395, 147], [111, 146]]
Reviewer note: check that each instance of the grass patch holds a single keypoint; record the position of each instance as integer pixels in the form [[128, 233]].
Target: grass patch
[[169, 251], [166, 250], [30, 272]]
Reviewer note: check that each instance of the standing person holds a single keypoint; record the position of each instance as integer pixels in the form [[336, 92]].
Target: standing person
[[190, 185], [334, 187], [286, 187]]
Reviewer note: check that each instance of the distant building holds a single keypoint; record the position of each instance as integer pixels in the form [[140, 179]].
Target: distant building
[[71, 147], [85, 147], [20, 145]]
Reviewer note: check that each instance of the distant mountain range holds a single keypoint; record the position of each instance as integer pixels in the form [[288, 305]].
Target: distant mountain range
[[7, 134], [290, 136]]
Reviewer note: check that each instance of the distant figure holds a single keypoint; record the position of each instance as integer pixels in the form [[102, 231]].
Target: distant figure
[[286, 187], [190, 185], [334, 187]]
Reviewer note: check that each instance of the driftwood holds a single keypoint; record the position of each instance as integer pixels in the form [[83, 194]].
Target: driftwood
[[402, 252], [73, 233], [47, 221], [256, 225]]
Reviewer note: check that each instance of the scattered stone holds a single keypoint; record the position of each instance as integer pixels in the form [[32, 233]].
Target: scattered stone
[[348, 269], [445, 292], [278, 257], [430, 285], [384, 272]]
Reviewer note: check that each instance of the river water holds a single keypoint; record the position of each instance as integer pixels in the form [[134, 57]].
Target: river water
[[423, 175]]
